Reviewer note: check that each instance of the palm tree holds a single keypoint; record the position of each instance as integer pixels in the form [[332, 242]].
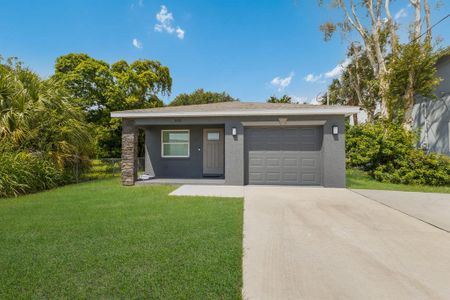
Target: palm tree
[[36, 116]]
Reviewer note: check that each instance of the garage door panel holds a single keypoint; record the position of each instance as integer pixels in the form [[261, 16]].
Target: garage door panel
[[284, 155], [257, 177], [289, 161], [256, 160], [291, 164], [310, 179], [309, 163], [271, 162], [290, 177], [274, 177]]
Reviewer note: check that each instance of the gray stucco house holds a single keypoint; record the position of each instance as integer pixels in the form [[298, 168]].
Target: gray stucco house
[[432, 116], [240, 143]]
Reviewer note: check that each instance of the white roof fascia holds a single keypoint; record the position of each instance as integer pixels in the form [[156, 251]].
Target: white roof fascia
[[266, 112]]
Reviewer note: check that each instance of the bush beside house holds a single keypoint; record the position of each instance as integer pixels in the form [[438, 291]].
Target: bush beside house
[[386, 151]]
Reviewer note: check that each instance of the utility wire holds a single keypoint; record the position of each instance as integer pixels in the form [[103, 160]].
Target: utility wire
[[441, 20]]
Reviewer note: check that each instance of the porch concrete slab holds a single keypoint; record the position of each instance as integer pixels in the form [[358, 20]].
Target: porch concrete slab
[[227, 191], [433, 208], [179, 181]]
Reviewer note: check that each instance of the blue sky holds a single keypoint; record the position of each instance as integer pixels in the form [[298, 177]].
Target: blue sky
[[250, 49]]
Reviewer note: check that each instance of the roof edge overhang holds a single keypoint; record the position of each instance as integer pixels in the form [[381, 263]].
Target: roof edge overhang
[[347, 111]]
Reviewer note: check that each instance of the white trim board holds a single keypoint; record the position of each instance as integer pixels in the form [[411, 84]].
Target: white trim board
[[287, 123], [347, 111]]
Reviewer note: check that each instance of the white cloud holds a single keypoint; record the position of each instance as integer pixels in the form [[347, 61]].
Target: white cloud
[[140, 3], [304, 100], [312, 78], [282, 83], [137, 44], [165, 19], [299, 99], [314, 101], [180, 33], [337, 71], [402, 13]]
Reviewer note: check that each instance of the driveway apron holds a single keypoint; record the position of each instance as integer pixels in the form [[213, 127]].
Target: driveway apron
[[317, 243]]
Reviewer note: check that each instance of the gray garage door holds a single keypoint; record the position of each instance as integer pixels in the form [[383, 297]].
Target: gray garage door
[[285, 155]]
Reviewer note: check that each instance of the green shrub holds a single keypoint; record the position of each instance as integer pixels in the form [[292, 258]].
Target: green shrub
[[387, 152], [419, 168], [22, 172]]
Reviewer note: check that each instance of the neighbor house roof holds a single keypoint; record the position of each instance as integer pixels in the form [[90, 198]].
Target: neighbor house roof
[[237, 108]]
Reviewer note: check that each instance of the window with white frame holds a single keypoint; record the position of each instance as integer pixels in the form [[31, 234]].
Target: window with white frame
[[175, 143]]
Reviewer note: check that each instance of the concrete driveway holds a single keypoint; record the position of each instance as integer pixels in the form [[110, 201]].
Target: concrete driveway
[[316, 243], [433, 208]]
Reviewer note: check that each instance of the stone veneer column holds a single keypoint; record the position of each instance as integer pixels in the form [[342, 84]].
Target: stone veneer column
[[129, 152]]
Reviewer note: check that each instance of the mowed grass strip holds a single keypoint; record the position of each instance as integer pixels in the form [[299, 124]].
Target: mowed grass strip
[[102, 240], [357, 179]]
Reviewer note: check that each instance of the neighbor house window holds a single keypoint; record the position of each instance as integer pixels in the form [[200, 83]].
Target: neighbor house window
[[175, 143]]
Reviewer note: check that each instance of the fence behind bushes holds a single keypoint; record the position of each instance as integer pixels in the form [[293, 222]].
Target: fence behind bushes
[[24, 173], [101, 168]]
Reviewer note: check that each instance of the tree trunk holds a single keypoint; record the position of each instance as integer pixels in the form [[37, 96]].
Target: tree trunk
[[409, 92], [355, 119], [384, 88], [382, 70], [409, 100], [356, 24], [427, 21], [391, 26], [370, 116], [418, 18]]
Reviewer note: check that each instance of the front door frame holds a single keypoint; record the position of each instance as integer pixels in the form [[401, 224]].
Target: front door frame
[[220, 171]]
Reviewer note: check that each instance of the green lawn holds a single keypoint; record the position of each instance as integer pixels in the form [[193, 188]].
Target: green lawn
[[102, 240], [357, 179]]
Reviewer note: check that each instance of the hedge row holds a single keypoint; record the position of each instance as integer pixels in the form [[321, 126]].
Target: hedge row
[[387, 152], [22, 173]]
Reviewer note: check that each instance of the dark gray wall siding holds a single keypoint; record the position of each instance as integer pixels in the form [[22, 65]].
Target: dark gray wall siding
[[334, 153], [234, 153], [333, 147], [191, 167]]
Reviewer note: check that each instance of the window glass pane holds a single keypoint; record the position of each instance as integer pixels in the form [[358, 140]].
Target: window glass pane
[[213, 136], [176, 136], [175, 149]]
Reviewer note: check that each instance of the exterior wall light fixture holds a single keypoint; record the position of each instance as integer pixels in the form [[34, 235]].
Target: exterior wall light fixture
[[335, 129]]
